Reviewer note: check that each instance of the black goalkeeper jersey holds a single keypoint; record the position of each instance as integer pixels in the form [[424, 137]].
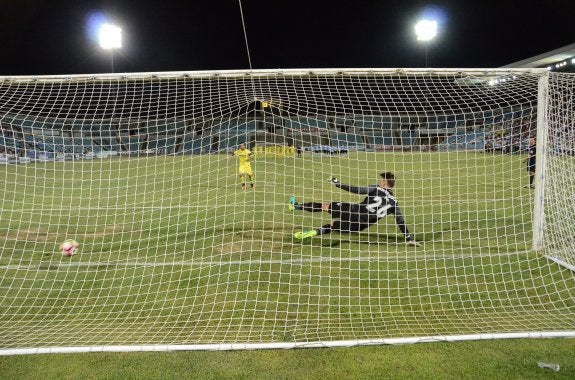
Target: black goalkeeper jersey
[[379, 202], [532, 155]]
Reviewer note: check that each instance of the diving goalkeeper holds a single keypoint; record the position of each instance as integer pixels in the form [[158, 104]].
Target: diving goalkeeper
[[354, 217]]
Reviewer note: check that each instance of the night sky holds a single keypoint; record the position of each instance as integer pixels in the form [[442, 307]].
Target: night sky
[[54, 37]]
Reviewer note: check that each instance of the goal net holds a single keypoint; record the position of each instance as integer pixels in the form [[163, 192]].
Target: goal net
[[176, 250]]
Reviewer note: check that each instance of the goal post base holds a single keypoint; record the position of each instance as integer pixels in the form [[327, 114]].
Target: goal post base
[[285, 345]]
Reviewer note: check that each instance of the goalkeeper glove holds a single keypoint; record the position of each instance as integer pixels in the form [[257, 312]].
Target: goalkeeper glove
[[334, 180]]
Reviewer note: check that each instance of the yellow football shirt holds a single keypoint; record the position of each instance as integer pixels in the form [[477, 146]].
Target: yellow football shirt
[[243, 156], [244, 161]]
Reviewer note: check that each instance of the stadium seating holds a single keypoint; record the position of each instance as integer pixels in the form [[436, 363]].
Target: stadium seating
[[162, 143], [56, 142], [305, 123], [9, 143], [347, 139], [407, 138], [231, 126], [194, 144], [228, 142], [133, 144], [84, 145], [353, 131], [343, 121], [377, 123], [107, 143], [464, 140], [380, 139]]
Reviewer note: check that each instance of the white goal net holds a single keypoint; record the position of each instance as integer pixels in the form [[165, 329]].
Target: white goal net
[[189, 198]]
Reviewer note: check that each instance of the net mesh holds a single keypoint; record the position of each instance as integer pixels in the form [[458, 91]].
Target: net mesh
[[560, 134], [138, 169]]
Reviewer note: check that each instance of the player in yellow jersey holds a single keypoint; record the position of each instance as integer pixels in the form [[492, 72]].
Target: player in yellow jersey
[[244, 156]]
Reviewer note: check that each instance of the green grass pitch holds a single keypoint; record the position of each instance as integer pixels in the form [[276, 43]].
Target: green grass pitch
[[173, 252]]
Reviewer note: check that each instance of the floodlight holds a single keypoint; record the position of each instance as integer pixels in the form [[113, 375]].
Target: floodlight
[[426, 30], [110, 36]]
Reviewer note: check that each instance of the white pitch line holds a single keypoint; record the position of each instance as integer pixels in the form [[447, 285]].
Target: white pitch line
[[386, 258], [207, 206]]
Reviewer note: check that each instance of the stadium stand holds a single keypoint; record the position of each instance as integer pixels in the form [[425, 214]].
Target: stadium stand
[[376, 123], [133, 144], [305, 123], [85, 145], [380, 140], [407, 138], [506, 131], [350, 140], [229, 134], [161, 143], [228, 142], [107, 143], [194, 144]]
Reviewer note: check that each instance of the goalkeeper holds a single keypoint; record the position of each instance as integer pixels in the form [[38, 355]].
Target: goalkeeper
[[353, 217]]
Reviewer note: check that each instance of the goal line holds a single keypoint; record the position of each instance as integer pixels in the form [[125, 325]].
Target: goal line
[[139, 264]]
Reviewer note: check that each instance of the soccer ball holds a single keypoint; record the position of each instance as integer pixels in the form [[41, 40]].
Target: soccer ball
[[68, 247]]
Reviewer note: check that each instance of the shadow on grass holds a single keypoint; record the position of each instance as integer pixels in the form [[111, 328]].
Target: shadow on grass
[[341, 239]]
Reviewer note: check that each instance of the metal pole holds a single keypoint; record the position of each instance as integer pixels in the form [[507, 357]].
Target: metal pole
[[538, 208], [112, 59]]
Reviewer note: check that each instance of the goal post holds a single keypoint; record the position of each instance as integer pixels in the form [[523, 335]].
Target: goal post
[[177, 251], [558, 129], [541, 135]]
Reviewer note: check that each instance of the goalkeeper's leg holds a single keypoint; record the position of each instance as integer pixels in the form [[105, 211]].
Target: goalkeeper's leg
[[309, 206], [311, 233], [344, 226]]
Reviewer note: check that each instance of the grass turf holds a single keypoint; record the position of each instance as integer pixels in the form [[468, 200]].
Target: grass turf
[[173, 252]]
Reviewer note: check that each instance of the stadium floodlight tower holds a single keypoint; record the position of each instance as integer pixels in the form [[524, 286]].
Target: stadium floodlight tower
[[426, 30], [110, 37]]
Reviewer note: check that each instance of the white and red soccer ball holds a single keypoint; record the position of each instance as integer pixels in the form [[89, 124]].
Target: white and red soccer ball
[[69, 247]]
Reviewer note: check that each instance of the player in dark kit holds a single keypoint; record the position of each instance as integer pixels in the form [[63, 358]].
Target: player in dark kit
[[354, 217], [531, 158]]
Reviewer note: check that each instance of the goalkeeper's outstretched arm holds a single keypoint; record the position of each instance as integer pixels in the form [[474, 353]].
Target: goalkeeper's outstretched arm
[[352, 189], [400, 221]]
